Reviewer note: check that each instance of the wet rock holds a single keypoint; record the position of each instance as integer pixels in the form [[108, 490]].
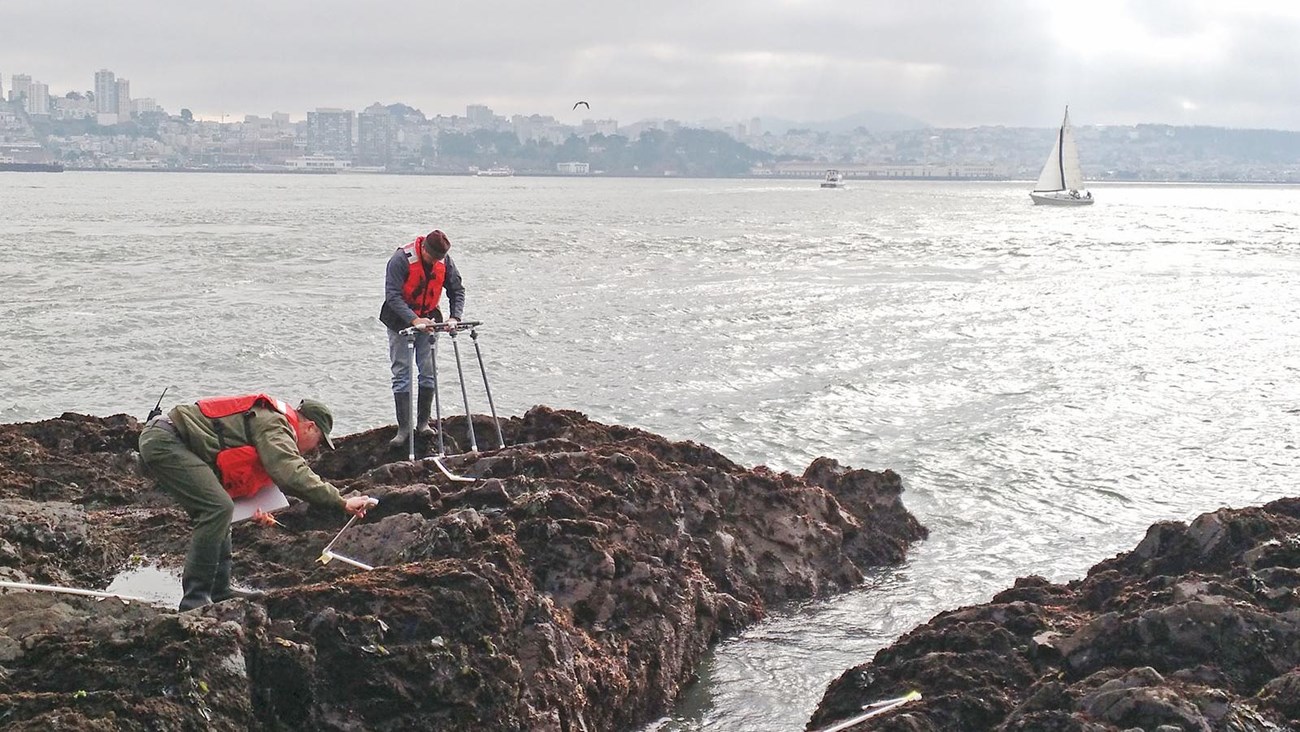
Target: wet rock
[[1197, 628], [575, 584]]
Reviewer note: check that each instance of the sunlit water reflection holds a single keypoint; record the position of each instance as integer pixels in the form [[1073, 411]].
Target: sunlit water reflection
[[1047, 382]]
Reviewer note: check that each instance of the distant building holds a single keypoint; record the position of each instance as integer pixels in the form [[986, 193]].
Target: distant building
[[573, 168], [122, 93], [72, 107], [606, 127], [756, 127], [479, 115], [20, 88], [106, 92], [2, 86], [376, 136], [143, 105], [317, 163], [329, 132], [38, 101]]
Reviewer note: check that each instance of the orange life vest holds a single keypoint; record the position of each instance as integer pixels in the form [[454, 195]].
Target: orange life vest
[[422, 291], [239, 468]]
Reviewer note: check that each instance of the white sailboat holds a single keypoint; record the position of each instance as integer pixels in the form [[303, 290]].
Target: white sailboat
[[1061, 182]]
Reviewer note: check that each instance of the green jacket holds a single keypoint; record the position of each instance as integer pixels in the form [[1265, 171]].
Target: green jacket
[[268, 431]]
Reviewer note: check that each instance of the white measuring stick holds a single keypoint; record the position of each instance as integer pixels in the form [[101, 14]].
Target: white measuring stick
[[877, 708], [70, 591], [328, 555]]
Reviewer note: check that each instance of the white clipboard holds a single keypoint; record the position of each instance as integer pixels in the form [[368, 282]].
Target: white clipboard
[[267, 500]]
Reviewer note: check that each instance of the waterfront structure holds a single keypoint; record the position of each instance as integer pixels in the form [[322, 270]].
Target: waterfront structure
[[317, 164]]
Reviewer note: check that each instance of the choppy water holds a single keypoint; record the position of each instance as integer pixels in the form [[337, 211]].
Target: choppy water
[[1048, 382]]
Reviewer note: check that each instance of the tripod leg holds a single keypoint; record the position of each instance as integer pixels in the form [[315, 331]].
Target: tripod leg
[[501, 440], [410, 352], [437, 401], [464, 394]]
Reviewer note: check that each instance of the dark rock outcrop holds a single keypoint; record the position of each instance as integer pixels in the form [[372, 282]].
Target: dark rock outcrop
[[1197, 628], [575, 585]]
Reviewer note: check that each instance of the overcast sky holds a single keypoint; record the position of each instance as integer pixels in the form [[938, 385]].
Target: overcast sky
[[1232, 63]]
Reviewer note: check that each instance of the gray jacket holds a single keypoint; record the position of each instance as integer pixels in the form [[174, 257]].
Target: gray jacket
[[396, 311]]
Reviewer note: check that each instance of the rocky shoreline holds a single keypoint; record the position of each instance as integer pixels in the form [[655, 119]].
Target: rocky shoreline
[[575, 585], [1196, 628]]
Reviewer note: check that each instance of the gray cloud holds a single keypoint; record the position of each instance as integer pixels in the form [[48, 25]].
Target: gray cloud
[[1011, 62]]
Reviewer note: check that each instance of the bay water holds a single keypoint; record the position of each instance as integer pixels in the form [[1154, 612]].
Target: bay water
[[1048, 382]]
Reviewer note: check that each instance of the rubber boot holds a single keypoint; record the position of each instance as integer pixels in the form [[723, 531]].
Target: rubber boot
[[425, 399], [402, 399], [196, 583], [222, 589]]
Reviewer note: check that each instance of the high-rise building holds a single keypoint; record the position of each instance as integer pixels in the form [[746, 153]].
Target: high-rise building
[[123, 89], [329, 132], [38, 101], [20, 87], [2, 87], [376, 136], [105, 92], [479, 115]]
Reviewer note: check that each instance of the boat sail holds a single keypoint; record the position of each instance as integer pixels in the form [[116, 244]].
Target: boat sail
[[1061, 182]]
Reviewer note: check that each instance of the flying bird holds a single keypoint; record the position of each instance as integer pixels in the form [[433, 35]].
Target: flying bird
[[575, 105]]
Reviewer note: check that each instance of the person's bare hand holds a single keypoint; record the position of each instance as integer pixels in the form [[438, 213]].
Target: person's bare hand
[[358, 505]]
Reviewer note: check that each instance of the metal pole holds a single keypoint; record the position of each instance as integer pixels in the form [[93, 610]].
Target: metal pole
[[469, 418], [501, 440], [437, 400], [410, 417]]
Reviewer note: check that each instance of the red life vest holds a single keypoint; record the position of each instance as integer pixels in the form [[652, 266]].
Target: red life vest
[[422, 291], [239, 468]]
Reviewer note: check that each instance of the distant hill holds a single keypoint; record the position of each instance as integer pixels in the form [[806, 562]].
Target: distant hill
[[871, 120]]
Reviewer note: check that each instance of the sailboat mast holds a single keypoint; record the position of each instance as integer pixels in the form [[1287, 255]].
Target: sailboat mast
[[1060, 146]]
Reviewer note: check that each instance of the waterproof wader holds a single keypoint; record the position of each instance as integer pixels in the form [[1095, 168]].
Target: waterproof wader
[[185, 477]]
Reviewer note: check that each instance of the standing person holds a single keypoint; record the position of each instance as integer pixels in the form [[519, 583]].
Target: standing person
[[211, 452], [416, 275]]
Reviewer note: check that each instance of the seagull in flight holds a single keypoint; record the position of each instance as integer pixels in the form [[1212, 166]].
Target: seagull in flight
[[575, 105]]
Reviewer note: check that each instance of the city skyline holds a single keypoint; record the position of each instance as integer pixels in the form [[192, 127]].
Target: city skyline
[[947, 64]]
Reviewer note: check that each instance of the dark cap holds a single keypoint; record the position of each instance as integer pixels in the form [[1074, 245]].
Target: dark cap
[[321, 415], [437, 243]]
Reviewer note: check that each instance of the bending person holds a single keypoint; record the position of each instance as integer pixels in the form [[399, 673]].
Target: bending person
[[211, 452], [416, 275]]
